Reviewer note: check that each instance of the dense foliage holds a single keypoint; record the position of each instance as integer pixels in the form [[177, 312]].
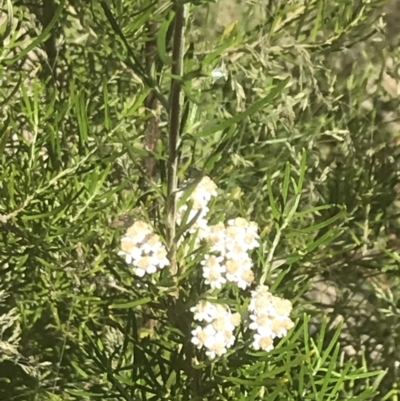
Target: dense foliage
[[289, 106]]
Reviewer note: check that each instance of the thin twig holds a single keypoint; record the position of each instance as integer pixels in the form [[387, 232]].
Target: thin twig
[[174, 129], [152, 132]]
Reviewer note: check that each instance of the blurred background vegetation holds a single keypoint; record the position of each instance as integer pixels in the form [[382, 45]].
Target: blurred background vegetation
[[75, 122]]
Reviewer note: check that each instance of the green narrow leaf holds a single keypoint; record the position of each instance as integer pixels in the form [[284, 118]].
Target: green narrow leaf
[[133, 150], [323, 224], [107, 120], [328, 350], [249, 382], [132, 304], [306, 328], [8, 21], [185, 225], [274, 209], [27, 103], [4, 134], [44, 215], [325, 239], [284, 139], [339, 383], [188, 190], [216, 53], [224, 144], [133, 60], [327, 379], [312, 210], [300, 378], [318, 20], [125, 380], [286, 181], [41, 38], [13, 92], [79, 370], [256, 106], [303, 166], [81, 114], [81, 393], [369, 394], [278, 280], [302, 20], [162, 40]]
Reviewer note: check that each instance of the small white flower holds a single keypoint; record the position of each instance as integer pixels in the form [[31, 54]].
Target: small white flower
[[263, 342], [216, 345], [201, 335], [203, 232], [233, 269], [140, 272], [159, 258], [240, 272], [270, 317], [252, 227], [130, 257], [213, 271], [145, 265], [138, 231], [229, 338], [216, 240], [151, 243], [200, 199], [206, 188], [214, 278], [235, 234], [213, 261], [236, 251], [223, 323], [143, 249], [261, 299], [204, 312], [245, 279], [250, 240], [129, 249], [281, 325], [262, 325], [243, 232], [217, 336]]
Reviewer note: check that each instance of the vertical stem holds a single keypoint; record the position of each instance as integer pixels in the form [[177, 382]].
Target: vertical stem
[[152, 133], [174, 129], [175, 115], [49, 9]]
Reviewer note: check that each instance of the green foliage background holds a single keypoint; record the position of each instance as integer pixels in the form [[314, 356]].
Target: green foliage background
[[300, 134]]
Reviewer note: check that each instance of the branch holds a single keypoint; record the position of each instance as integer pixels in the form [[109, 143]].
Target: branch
[[174, 129]]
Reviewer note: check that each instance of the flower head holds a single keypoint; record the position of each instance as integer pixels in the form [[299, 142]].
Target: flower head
[[200, 197], [143, 249], [217, 335], [204, 311], [270, 317], [213, 271], [232, 243]]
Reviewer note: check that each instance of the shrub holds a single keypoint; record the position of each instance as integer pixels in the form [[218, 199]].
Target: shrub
[[165, 172]]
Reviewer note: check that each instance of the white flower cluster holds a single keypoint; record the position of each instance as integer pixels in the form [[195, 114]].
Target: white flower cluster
[[270, 318], [229, 260], [216, 334], [143, 249], [200, 197]]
